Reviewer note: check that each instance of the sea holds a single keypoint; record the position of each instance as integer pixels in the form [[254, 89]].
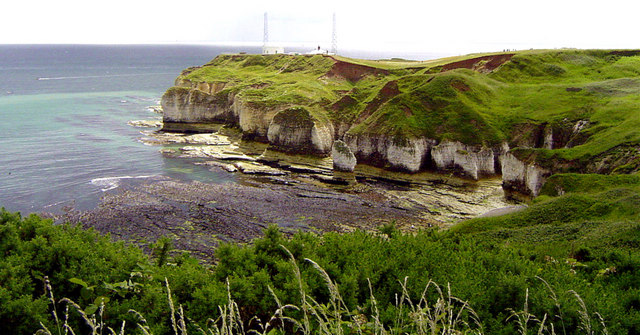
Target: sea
[[64, 137]]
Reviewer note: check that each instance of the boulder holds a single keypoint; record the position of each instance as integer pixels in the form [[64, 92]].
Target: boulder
[[343, 158]]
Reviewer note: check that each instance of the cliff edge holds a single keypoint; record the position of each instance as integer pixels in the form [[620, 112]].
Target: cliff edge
[[523, 115]]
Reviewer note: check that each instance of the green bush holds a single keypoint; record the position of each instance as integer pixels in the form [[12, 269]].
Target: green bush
[[496, 272]]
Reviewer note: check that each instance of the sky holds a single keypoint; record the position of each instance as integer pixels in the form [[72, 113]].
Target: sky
[[445, 26]]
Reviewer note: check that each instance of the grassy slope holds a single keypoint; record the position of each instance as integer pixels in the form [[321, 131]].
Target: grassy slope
[[460, 104], [442, 106], [589, 222], [606, 204], [536, 91]]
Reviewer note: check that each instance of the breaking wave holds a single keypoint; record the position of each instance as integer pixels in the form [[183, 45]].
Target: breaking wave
[[109, 183], [100, 76]]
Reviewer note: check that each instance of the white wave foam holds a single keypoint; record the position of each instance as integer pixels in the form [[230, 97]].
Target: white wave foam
[[55, 203], [109, 183], [101, 76]]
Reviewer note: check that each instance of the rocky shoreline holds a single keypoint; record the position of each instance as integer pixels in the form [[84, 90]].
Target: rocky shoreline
[[198, 216], [296, 192]]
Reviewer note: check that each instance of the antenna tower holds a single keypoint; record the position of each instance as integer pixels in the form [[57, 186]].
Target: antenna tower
[[265, 38], [334, 38]]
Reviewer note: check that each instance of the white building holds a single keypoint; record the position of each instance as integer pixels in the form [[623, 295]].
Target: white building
[[272, 50], [319, 51]]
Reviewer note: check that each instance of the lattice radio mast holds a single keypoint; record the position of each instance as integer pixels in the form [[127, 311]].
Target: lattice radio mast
[[265, 38], [334, 38]]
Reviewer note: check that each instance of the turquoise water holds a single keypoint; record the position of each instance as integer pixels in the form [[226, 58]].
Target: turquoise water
[[64, 109], [64, 138]]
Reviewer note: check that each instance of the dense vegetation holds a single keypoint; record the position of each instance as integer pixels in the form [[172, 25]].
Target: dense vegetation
[[585, 240]]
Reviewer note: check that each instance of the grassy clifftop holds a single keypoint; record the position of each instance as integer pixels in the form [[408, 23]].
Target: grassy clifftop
[[476, 99]]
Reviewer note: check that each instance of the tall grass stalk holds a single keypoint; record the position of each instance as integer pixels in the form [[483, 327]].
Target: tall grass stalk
[[378, 327], [446, 315], [229, 322], [142, 324], [332, 322], [585, 320], [49, 290], [305, 324], [277, 319], [556, 301], [171, 308], [522, 318]]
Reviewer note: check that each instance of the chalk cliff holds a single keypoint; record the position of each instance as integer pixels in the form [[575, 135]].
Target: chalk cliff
[[457, 117], [184, 107], [472, 161], [296, 130], [522, 177], [401, 154]]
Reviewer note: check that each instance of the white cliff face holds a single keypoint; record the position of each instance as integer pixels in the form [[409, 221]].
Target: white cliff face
[[408, 154], [288, 137], [522, 177], [472, 161], [193, 103], [322, 137], [194, 106], [253, 121], [295, 130], [343, 158]]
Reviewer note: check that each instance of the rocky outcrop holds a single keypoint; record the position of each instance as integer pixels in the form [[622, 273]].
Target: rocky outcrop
[[191, 106], [186, 107], [343, 158], [296, 130], [413, 155], [522, 177], [253, 120], [402, 154], [472, 161], [483, 64], [560, 134], [209, 88]]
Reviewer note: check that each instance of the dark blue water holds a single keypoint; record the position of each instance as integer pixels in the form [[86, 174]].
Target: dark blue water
[[64, 137]]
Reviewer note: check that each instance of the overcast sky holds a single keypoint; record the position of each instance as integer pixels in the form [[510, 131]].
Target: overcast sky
[[444, 26]]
